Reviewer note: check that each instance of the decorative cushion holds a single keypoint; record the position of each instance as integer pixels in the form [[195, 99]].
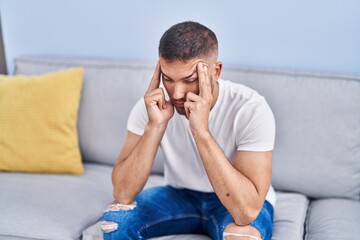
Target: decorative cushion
[[38, 122]]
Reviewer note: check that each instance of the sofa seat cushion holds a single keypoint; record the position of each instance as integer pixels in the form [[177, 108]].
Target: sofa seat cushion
[[53, 206], [289, 216], [333, 219]]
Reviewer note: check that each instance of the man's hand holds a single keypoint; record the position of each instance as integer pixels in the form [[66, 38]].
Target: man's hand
[[159, 110], [197, 107]]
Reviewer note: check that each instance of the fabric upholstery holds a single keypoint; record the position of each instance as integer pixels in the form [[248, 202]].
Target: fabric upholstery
[[290, 214], [53, 206], [333, 219], [38, 122]]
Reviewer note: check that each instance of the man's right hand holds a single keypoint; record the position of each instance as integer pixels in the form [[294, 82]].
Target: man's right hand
[[159, 110]]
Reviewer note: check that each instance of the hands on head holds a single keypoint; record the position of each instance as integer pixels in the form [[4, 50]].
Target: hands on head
[[196, 107]]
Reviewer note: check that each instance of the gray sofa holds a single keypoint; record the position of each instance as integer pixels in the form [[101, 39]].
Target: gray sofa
[[316, 166]]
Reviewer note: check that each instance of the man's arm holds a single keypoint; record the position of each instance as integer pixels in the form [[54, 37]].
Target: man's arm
[[241, 185], [134, 164], [136, 159]]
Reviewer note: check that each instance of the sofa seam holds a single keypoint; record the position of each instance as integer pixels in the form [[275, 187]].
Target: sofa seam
[[307, 220], [88, 65], [297, 73]]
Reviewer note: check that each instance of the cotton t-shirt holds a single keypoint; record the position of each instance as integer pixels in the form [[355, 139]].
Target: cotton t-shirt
[[240, 120]]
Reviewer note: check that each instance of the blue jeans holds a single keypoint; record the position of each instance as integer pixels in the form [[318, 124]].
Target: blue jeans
[[165, 210]]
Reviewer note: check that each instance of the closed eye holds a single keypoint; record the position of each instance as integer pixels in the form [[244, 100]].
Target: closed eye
[[191, 81], [166, 79]]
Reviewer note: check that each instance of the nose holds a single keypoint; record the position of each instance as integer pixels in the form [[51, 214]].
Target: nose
[[179, 91]]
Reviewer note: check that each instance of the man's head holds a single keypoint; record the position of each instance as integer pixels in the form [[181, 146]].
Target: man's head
[[186, 41], [181, 48]]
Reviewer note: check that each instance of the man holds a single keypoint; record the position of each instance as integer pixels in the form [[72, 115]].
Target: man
[[217, 138]]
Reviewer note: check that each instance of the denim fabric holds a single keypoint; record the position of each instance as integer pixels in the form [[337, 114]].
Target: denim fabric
[[166, 210]]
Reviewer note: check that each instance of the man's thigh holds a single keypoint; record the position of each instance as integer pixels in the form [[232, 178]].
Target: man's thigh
[[156, 211], [260, 228]]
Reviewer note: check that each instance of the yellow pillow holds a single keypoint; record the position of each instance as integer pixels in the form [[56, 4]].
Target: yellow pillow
[[38, 122]]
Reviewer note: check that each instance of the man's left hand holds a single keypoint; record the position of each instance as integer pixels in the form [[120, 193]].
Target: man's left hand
[[197, 107]]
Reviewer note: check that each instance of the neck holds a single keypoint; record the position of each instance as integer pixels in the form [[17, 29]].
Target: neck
[[215, 94]]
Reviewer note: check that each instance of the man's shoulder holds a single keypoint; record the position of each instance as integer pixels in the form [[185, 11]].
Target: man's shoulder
[[238, 90]]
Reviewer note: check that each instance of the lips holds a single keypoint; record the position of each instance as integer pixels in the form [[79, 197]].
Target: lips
[[178, 104]]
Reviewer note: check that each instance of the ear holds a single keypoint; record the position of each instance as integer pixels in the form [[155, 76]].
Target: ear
[[217, 70]]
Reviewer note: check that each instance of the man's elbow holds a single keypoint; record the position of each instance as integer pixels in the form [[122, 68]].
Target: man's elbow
[[245, 216]]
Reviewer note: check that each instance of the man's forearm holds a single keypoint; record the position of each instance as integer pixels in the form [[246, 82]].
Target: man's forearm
[[130, 175], [236, 192]]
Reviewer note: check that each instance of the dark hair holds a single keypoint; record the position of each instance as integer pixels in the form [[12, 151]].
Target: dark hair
[[187, 40]]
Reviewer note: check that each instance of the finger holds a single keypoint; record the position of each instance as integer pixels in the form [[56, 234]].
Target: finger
[[188, 106], [159, 98], [192, 97], [155, 98], [162, 105], [161, 101], [155, 80], [204, 81]]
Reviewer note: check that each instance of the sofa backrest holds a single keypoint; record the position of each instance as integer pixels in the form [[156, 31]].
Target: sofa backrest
[[317, 149]]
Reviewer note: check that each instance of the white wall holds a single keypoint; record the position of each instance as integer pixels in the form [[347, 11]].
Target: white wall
[[322, 35]]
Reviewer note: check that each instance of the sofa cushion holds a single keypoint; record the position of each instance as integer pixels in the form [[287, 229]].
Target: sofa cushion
[[289, 216], [52, 206], [40, 110], [333, 219], [110, 90], [317, 148]]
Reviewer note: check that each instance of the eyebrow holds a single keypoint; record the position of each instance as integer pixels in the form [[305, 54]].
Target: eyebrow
[[184, 78]]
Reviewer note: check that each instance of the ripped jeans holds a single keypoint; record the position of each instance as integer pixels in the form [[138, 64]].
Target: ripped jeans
[[165, 210]]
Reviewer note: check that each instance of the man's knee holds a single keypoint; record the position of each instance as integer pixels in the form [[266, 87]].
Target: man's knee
[[110, 213], [235, 232], [118, 207], [109, 227]]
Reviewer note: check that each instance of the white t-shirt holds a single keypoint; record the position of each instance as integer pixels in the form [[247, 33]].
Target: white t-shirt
[[241, 119]]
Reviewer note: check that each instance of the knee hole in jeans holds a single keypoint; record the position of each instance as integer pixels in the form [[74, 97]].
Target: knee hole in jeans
[[235, 232], [118, 206], [109, 227]]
